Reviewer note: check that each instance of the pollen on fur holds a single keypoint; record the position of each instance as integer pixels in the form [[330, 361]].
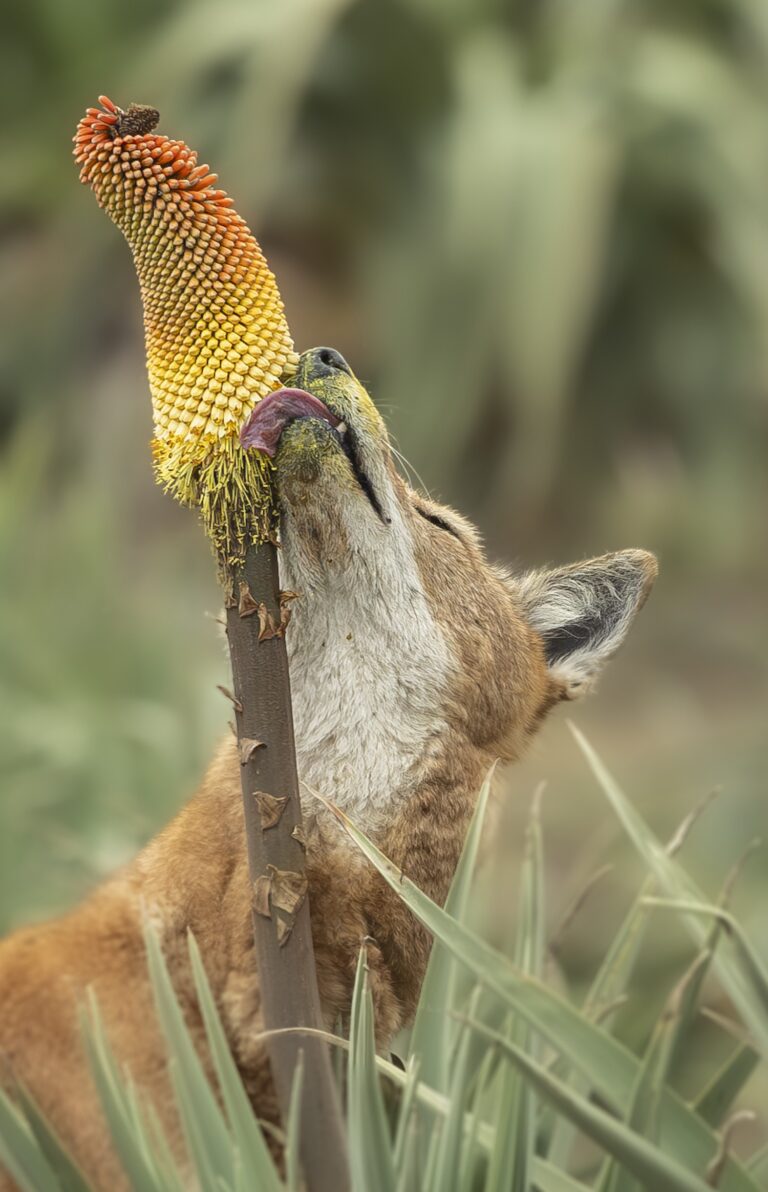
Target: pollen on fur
[[216, 335]]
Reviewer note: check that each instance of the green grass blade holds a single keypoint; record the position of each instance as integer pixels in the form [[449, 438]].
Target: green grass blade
[[754, 977], [432, 1154], [510, 1162], [446, 1172], [678, 884], [407, 1164], [530, 946], [758, 1167], [68, 1174], [435, 1030], [20, 1152], [610, 1067], [548, 1178], [370, 1149], [243, 1181], [194, 1122], [151, 1138], [292, 1164], [716, 1099], [248, 1137], [407, 1123], [652, 1166], [475, 1155], [210, 1145], [607, 988], [612, 977], [467, 1176], [643, 1116], [506, 1165], [530, 959], [435, 1034], [132, 1147]]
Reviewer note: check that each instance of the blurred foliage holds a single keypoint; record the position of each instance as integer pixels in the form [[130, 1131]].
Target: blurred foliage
[[101, 733], [552, 219], [539, 231]]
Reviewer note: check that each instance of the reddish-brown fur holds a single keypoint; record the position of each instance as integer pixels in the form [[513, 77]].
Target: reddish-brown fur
[[194, 875]]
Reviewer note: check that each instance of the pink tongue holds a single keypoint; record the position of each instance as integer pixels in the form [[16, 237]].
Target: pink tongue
[[263, 429]]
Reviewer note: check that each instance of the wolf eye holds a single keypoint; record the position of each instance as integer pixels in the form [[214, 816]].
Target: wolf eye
[[438, 521]]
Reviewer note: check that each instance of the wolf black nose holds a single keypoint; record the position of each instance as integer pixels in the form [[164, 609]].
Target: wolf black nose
[[323, 362]]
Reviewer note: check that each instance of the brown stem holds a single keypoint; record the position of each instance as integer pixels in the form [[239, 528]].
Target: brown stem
[[281, 923]]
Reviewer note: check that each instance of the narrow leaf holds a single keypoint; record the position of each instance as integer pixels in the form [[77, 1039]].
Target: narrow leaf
[[510, 1162], [747, 962], [68, 1174], [208, 1140], [716, 1099], [132, 1148], [758, 1167], [406, 1125], [249, 1139], [292, 1164], [370, 1150], [643, 1117], [20, 1153], [435, 1029], [450, 1139]]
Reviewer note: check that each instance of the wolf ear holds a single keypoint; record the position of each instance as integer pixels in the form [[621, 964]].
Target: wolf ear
[[583, 612]]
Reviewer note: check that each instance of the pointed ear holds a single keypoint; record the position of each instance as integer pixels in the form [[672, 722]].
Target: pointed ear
[[583, 612]]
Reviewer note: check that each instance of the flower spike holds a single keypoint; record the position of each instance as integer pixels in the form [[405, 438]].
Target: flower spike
[[217, 339]]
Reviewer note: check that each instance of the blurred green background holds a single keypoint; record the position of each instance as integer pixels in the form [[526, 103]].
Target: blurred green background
[[539, 231]]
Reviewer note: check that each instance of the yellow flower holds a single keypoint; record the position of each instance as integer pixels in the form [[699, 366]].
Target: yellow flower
[[217, 340]]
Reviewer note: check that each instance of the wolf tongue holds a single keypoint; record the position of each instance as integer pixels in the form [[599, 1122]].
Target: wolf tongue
[[269, 417]]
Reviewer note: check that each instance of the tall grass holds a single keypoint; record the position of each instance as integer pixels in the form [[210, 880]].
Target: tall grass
[[508, 1083]]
